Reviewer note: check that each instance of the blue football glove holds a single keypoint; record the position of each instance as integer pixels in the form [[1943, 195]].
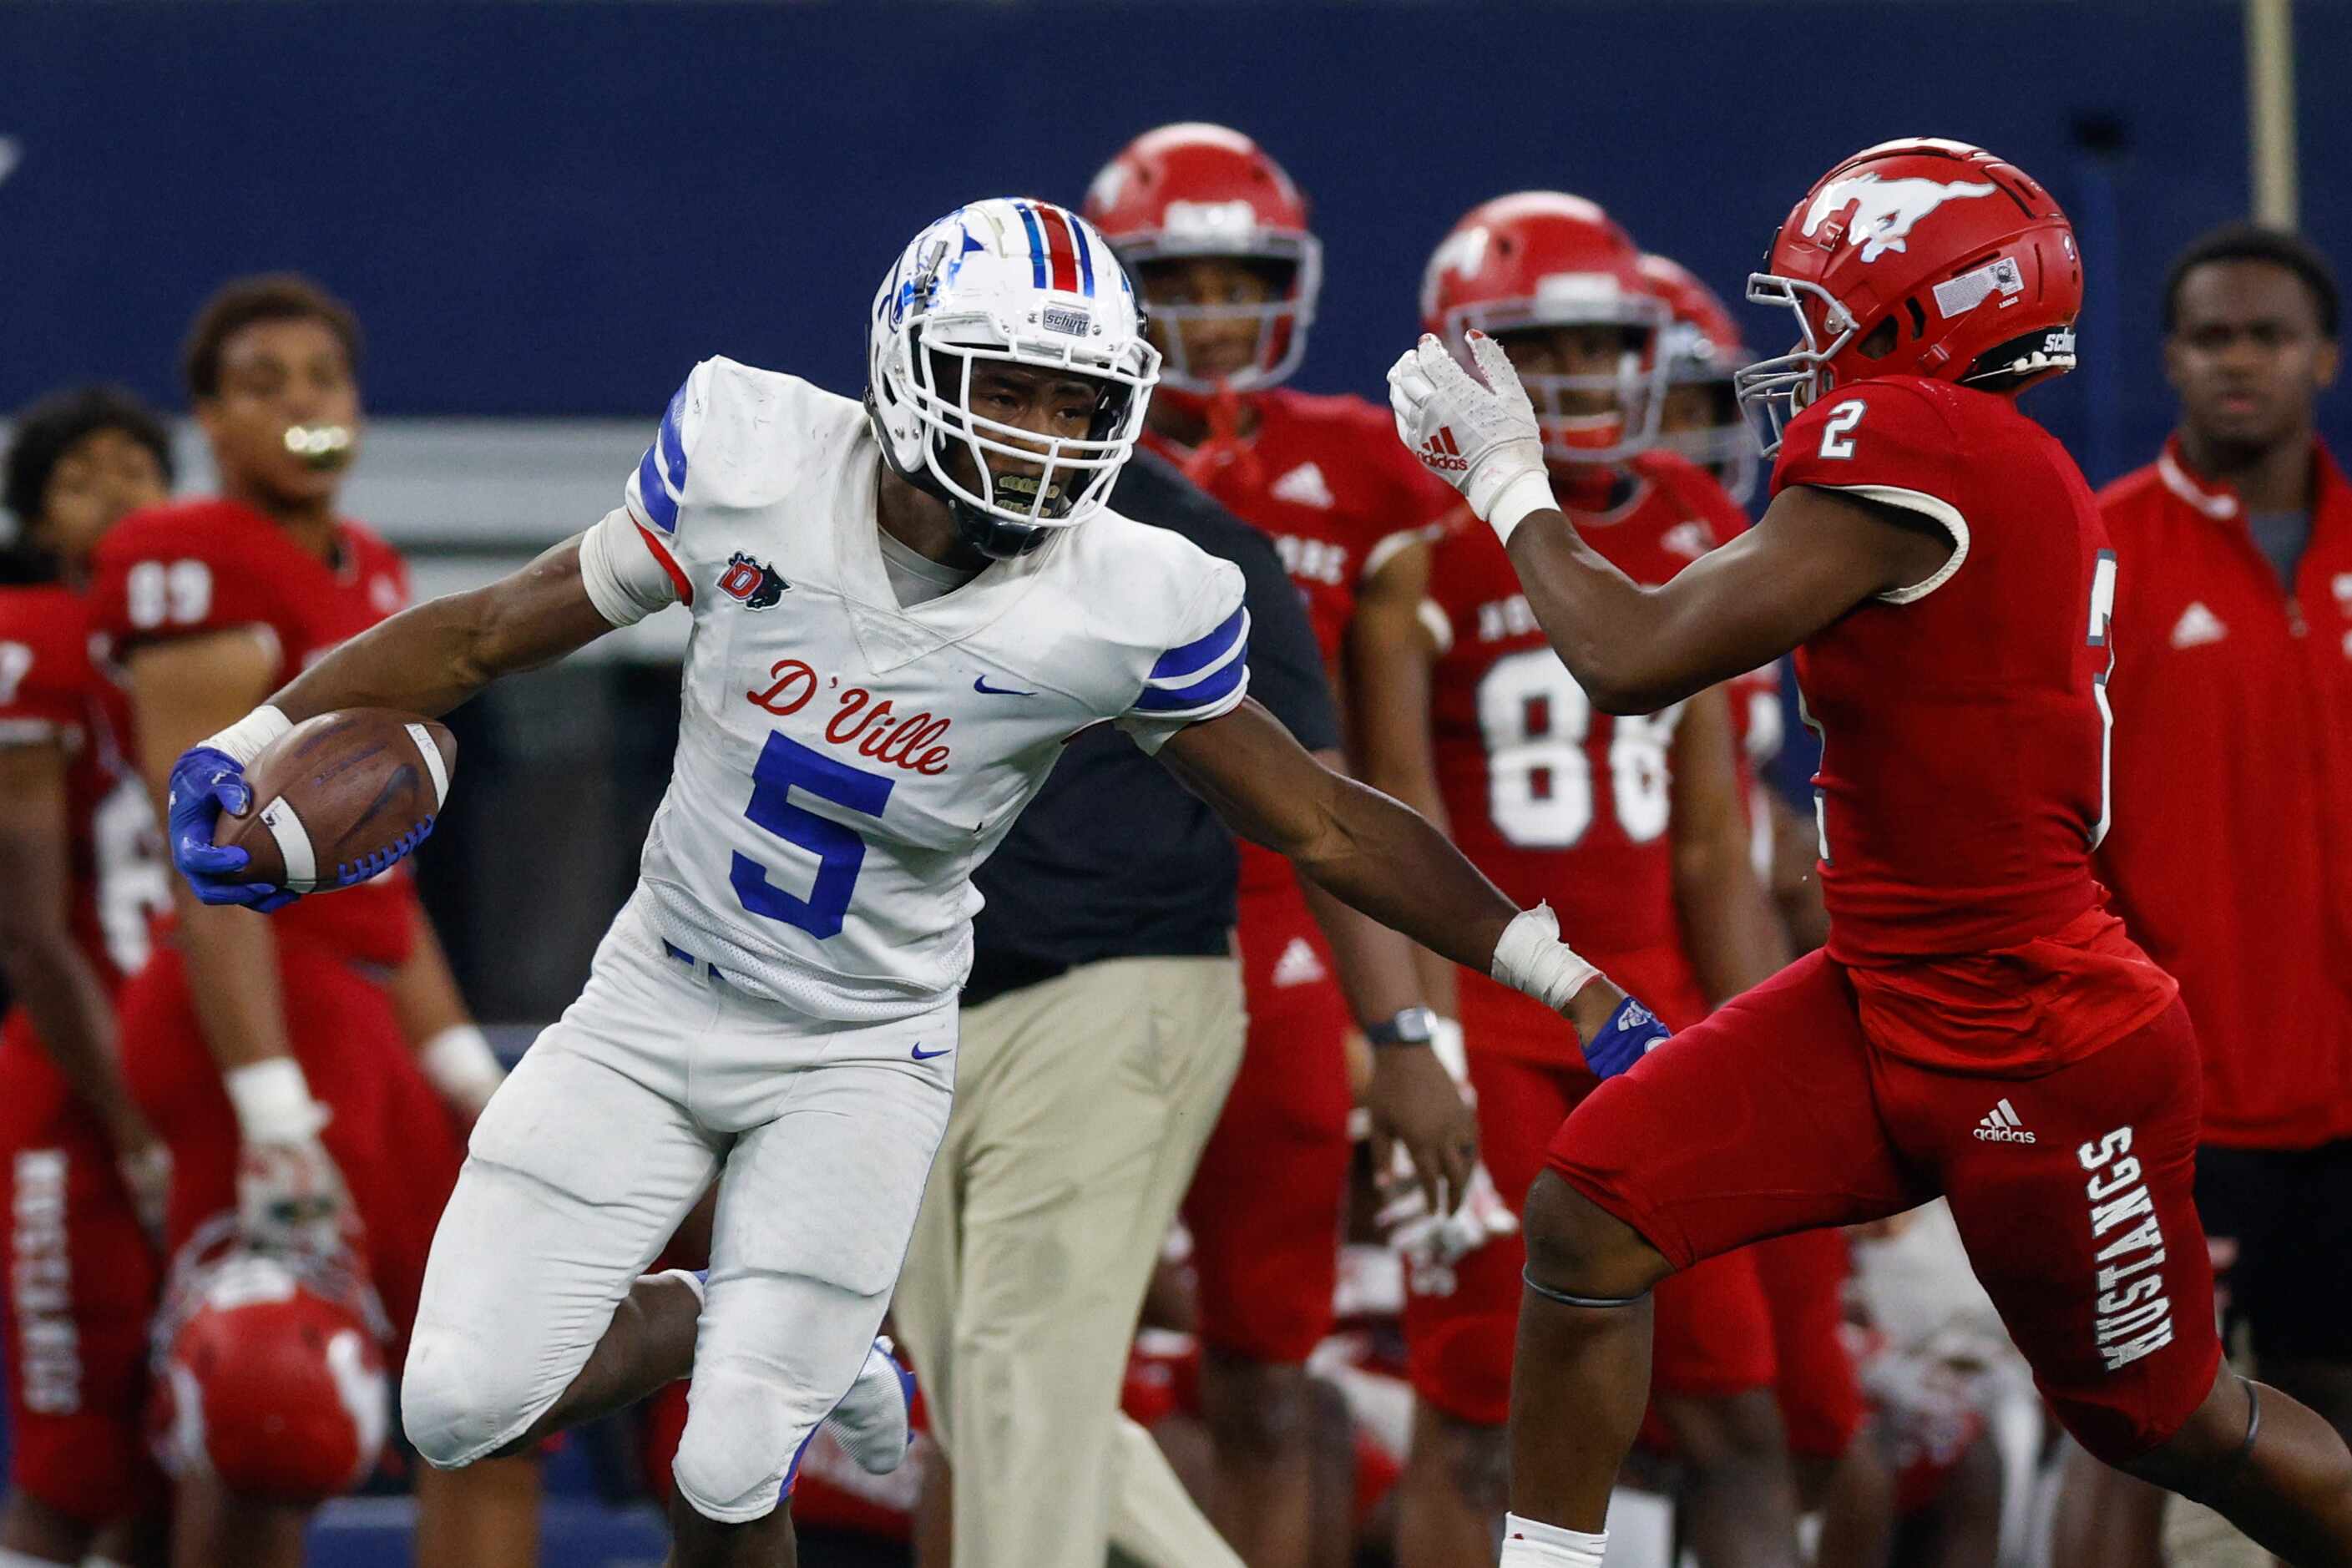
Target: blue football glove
[[205, 782], [1631, 1032]]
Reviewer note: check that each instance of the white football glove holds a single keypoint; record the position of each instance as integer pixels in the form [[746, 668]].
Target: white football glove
[[1431, 1245], [290, 1196], [146, 1173], [1480, 437]]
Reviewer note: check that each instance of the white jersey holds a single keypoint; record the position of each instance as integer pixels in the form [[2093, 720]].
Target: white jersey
[[845, 764]]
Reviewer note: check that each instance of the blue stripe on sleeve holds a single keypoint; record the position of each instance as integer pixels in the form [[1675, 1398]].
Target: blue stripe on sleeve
[[661, 510], [1036, 244], [1193, 655], [1201, 694], [672, 441]]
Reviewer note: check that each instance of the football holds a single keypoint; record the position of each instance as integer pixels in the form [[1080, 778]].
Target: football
[[336, 789]]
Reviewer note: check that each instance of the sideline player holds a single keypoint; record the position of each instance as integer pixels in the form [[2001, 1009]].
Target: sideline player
[[286, 1064], [1215, 234], [901, 609], [1632, 826], [2233, 706], [1980, 1023], [85, 1176]]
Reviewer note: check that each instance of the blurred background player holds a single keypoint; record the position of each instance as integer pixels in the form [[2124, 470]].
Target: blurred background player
[[2232, 764], [1633, 827], [1216, 236], [86, 1178], [313, 1076]]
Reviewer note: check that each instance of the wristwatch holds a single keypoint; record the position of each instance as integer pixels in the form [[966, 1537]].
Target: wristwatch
[[1413, 1026]]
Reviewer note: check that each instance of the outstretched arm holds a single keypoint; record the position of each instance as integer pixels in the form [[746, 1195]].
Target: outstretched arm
[[1375, 854], [1816, 554]]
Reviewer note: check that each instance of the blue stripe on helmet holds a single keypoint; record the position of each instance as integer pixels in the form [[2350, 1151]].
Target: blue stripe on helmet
[[1036, 244], [1193, 655], [660, 510], [1085, 252], [1201, 694]]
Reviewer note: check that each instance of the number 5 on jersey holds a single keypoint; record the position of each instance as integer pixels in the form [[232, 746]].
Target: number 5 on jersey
[[786, 765]]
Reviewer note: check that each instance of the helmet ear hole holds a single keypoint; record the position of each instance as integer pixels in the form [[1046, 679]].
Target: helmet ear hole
[[1918, 318], [1881, 340]]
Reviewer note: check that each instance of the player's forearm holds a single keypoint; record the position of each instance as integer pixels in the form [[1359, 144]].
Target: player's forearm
[[423, 992], [61, 993], [428, 660], [1734, 935], [1411, 782], [1379, 858], [232, 967]]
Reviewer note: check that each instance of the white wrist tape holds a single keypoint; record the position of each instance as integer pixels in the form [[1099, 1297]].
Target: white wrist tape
[[1532, 959], [246, 738], [461, 1067], [273, 1101], [1527, 493]]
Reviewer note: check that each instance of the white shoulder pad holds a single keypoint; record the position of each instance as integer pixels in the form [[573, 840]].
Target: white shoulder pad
[[735, 436]]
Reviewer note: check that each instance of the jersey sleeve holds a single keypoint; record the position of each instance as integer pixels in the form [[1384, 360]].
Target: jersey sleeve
[[1888, 443], [1205, 673], [161, 576], [43, 674], [655, 489]]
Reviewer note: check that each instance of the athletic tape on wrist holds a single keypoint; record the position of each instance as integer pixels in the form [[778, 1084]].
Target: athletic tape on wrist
[[249, 736], [1525, 495], [273, 1101], [1530, 958], [458, 1063]]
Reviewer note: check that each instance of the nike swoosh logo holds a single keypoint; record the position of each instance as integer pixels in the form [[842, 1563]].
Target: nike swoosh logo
[[923, 1056], [980, 684]]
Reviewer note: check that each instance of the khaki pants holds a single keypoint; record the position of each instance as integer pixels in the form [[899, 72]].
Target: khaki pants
[[1081, 1107]]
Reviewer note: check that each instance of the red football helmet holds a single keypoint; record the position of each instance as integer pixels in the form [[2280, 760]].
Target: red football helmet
[[1193, 190], [1543, 258], [269, 1370], [1918, 257], [1701, 419]]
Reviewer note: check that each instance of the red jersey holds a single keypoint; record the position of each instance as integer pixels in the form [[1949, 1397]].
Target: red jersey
[[50, 690], [1964, 732], [1328, 483], [207, 565], [2232, 853], [1550, 797]]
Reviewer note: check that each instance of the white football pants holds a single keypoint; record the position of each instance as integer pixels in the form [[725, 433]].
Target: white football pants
[[660, 1076]]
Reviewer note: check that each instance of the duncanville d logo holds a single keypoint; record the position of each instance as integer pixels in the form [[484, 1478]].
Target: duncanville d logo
[[755, 585]]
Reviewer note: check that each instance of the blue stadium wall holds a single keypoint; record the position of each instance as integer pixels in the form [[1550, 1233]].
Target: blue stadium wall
[[550, 210]]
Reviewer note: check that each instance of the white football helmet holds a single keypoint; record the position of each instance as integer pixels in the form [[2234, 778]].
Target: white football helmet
[[1019, 281]]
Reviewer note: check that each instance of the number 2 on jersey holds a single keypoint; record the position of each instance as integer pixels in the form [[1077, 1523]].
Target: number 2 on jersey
[[1837, 430], [786, 765]]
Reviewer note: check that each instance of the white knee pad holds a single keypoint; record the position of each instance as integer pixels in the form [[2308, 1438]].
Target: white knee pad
[[455, 1404], [741, 1440]]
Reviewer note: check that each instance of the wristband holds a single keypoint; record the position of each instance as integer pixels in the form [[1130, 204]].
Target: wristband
[[461, 1067], [1527, 494], [1531, 958], [273, 1101], [246, 738]]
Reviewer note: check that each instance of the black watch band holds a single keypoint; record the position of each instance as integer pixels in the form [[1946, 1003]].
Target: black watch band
[[1413, 1026]]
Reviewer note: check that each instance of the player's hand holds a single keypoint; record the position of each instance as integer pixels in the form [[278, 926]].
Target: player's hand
[[1416, 1106], [204, 782], [1477, 435], [1631, 1033], [291, 1196], [1431, 1244], [145, 1169]]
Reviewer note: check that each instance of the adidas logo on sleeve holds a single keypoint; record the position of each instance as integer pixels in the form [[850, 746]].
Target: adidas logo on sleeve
[[2002, 1125]]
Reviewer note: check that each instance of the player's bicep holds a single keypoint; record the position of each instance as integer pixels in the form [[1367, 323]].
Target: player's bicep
[[1256, 775]]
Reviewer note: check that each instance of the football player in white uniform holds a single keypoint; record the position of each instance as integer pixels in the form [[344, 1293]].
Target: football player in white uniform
[[901, 609]]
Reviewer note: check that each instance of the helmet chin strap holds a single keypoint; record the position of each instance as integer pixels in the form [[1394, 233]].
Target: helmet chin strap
[[992, 536]]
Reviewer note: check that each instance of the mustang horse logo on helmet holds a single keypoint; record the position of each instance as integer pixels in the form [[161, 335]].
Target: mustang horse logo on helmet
[[1885, 211]]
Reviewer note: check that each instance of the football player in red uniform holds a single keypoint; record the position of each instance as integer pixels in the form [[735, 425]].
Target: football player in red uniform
[[85, 1176], [1632, 826], [317, 1071], [1980, 1025], [1216, 237]]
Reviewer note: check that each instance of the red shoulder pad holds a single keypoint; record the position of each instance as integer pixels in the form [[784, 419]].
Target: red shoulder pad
[[1892, 433], [192, 567]]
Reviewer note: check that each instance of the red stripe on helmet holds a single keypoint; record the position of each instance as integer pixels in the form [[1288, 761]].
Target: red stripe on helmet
[[1061, 249]]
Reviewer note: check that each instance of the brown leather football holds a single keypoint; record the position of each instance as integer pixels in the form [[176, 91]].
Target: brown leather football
[[337, 789]]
